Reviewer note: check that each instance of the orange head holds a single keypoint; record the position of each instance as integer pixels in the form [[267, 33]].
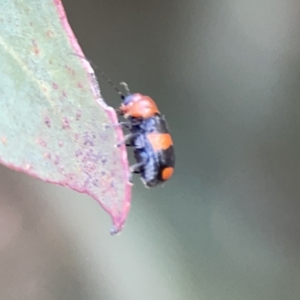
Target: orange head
[[138, 106]]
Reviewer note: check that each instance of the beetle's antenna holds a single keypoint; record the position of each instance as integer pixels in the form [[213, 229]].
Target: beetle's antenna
[[112, 84], [125, 87], [102, 74]]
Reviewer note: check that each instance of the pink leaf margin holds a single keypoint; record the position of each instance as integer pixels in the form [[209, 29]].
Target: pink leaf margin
[[117, 219]]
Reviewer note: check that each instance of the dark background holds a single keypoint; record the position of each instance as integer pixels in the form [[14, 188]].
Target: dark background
[[226, 75]]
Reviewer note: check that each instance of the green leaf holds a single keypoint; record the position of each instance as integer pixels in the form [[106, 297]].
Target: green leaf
[[52, 115]]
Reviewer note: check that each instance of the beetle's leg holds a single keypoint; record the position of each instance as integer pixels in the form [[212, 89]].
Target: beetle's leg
[[139, 142], [126, 138], [124, 124], [135, 169], [121, 124]]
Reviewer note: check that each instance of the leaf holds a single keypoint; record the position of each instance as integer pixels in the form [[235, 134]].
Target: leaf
[[52, 115]]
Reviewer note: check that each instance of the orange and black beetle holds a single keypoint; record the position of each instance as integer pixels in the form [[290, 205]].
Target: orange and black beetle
[[149, 137]]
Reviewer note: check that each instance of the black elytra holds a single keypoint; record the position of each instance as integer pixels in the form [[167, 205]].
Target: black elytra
[[153, 149]]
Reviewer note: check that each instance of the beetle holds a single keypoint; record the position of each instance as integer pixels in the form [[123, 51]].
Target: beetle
[[149, 137]]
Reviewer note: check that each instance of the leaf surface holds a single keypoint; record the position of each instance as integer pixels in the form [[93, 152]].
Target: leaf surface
[[53, 120]]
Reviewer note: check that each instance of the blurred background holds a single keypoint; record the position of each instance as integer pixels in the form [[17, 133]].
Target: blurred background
[[227, 225]]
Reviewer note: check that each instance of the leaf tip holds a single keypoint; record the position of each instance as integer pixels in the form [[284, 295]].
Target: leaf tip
[[119, 218]]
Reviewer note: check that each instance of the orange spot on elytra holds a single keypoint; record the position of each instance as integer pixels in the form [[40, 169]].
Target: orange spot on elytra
[[160, 141], [3, 139], [140, 106], [167, 173]]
